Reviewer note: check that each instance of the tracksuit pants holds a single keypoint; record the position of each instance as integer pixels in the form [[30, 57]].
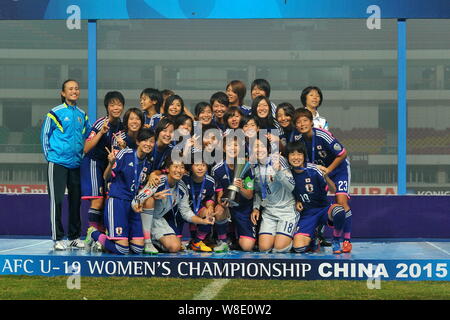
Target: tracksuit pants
[[58, 178]]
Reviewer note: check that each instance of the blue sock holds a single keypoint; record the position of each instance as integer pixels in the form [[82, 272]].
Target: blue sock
[[338, 214], [222, 230], [137, 249], [110, 245], [116, 248]]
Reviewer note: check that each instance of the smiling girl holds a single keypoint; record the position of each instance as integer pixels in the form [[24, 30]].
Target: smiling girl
[[64, 131], [173, 107], [133, 120], [123, 225], [95, 160]]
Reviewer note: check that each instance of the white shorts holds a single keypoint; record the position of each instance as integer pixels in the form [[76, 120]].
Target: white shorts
[[273, 226], [161, 228]]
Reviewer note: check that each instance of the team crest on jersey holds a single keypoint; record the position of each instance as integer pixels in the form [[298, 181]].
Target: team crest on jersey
[[307, 180], [309, 187], [119, 231], [322, 154], [319, 147], [337, 147]]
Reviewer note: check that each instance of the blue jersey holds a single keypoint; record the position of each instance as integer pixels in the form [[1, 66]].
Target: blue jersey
[[246, 110], [310, 188], [129, 141], [146, 118], [323, 149], [98, 152], [207, 189], [158, 158], [218, 125], [288, 135], [223, 176], [128, 173], [154, 120]]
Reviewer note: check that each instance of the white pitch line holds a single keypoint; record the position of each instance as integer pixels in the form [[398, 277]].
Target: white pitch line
[[210, 291], [30, 245], [439, 248]]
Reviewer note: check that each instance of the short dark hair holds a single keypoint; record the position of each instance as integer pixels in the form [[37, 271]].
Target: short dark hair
[[200, 107], [296, 146], [230, 112], [169, 161], [162, 124], [302, 112], [111, 96], [247, 118], [127, 114], [167, 93], [182, 118], [306, 91], [220, 97], [238, 87], [144, 134], [154, 95], [263, 84], [170, 100]]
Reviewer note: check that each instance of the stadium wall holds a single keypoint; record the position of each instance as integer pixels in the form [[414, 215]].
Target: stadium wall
[[373, 216]]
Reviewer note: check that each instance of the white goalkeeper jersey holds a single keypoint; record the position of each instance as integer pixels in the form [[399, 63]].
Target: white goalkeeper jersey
[[273, 190]]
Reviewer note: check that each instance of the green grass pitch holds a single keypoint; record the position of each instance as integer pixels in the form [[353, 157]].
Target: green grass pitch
[[116, 288]]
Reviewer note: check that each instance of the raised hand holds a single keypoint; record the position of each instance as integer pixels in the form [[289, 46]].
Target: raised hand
[[104, 129], [120, 142], [111, 155], [162, 194], [153, 180], [276, 161]]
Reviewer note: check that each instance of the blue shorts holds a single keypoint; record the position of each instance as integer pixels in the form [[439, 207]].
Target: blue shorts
[[92, 182], [176, 223], [310, 219], [121, 221], [341, 179], [243, 224]]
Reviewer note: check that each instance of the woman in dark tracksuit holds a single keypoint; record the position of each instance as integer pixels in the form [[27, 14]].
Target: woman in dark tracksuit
[[63, 133]]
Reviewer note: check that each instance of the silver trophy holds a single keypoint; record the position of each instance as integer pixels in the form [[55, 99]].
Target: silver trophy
[[240, 170]]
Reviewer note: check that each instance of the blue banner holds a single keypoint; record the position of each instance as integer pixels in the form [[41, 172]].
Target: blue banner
[[268, 268], [223, 9]]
